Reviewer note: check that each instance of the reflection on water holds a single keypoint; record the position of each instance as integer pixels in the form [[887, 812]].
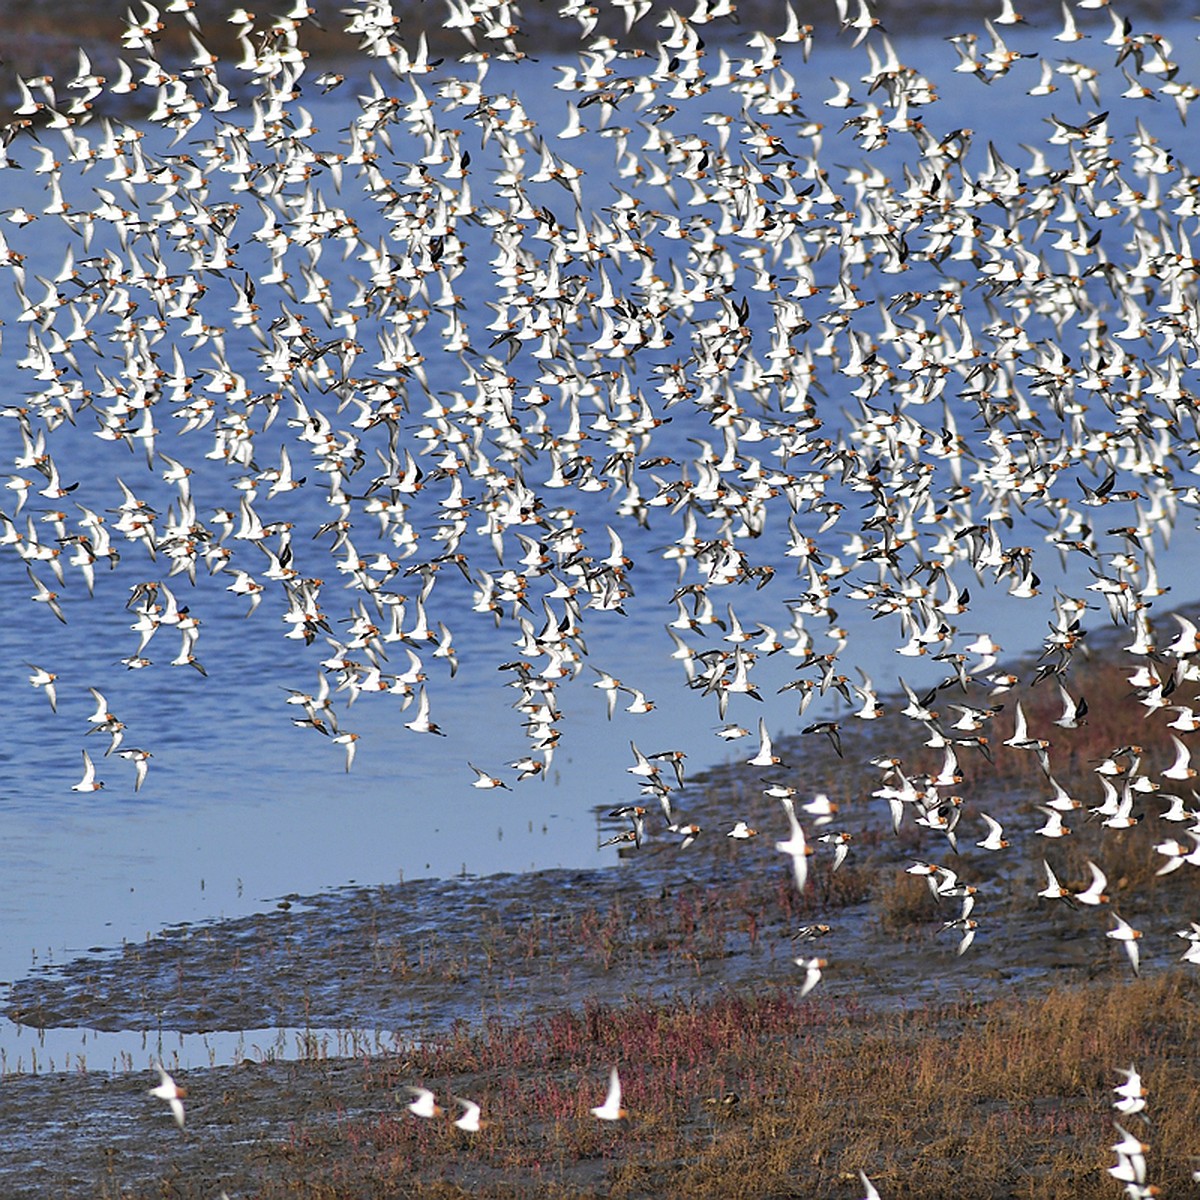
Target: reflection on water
[[33, 1052]]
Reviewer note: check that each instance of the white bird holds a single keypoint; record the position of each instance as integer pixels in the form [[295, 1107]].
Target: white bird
[[1125, 933], [1053, 889], [812, 968], [41, 678], [89, 782], [171, 1092], [1132, 1093], [485, 780], [611, 1109], [350, 742], [642, 765], [1094, 892], [841, 846], [1074, 711], [765, 756], [102, 715], [423, 1102], [729, 733], [995, 839], [1180, 769], [470, 1120], [796, 845], [421, 722], [141, 765], [1054, 827]]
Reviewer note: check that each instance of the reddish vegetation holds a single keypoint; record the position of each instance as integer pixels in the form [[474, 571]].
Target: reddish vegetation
[[740, 1096]]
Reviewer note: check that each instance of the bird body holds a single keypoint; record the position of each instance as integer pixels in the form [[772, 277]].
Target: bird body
[[171, 1092], [611, 1109]]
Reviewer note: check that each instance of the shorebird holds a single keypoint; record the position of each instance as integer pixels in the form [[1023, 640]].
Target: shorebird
[[43, 595], [995, 839], [89, 782], [41, 678], [1053, 889], [812, 968], [470, 1120], [689, 834], [1180, 769], [841, 846], [1131, 1093], [484, 780], [1054, 827], [171, 1092], [765, 756], [421, 722], [611, 1109], [349, 742], [423, 1102], [796, 846], [1094, 893], [141, 765], [1124, 933]]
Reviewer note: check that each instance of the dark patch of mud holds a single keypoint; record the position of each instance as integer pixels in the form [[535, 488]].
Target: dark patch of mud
[[414, 958]]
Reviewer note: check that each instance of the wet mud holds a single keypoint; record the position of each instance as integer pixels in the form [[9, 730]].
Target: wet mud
[[418, 960]]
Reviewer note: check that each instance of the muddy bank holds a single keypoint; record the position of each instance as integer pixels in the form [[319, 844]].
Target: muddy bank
[[412, 959], [521, 990]]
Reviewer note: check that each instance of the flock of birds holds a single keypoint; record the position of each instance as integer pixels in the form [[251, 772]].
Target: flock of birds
[[430, 349]]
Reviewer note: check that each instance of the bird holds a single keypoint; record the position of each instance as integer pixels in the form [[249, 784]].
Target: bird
[[484, 780], [1074, 711], [995, 839], [41, 678], [469, 1121], [637, 814], [349, 742], [423, 1102], [421, 722], [1053, 889], [1054, 827], [611, 1109], [168, 1090], [765, 756], [812, 968], [796, 846], [830, 729], [1180, 769], [1131, 1093], [741, 831], [841, 846], [689, 834], [1094, 893], [89, 782], [1124, 933], [141, 765], [43, 595]]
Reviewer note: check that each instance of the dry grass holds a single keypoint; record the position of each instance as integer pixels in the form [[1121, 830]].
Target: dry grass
[[973, 1101]]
